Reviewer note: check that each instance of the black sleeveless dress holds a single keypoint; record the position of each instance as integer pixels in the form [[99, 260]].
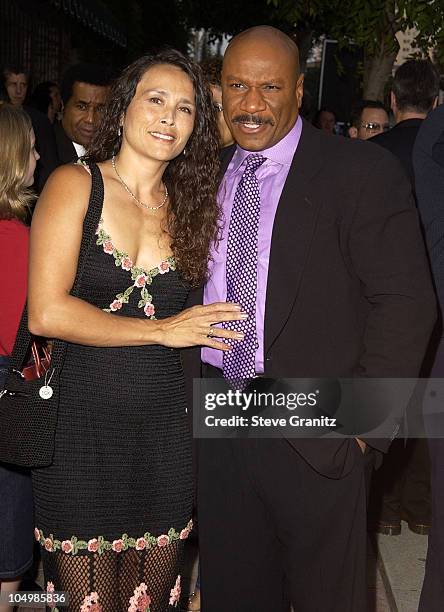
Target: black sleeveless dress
[[113, 510]]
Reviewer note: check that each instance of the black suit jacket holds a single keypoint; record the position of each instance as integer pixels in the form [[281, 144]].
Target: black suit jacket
[[428, 160], [66, 152], [349, 291], [400, 141], [45, 145]]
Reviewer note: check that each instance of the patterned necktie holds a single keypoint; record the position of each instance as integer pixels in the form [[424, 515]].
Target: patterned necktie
[[241, 272]]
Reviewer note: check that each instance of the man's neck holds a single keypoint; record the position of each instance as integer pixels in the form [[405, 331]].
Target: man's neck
[[404, 115]]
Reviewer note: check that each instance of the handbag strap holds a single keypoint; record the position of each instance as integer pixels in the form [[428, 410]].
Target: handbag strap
[[90, 223]]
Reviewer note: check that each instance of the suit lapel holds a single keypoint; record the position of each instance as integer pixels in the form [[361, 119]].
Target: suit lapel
[[293, 230], [65, 149]]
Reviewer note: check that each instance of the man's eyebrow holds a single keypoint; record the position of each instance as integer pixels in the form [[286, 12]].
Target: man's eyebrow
[[270, 81]]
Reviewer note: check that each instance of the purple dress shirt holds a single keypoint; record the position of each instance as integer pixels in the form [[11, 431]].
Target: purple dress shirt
[[271, 176]]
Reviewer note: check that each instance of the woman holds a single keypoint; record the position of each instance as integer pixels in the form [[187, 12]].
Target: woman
[[17, 164], [113, 509], [212, 69]]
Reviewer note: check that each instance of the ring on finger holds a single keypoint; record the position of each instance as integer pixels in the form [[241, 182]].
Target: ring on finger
[[210, 332]]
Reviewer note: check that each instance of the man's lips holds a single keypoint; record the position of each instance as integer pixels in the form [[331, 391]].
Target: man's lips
[[252, 126]]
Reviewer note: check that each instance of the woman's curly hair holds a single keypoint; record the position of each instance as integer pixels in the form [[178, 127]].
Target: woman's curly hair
[[191, 178]]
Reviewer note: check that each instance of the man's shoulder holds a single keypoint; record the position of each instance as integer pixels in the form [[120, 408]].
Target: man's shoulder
[[59, 131], [343, 154], [385, 138], [65, 149]]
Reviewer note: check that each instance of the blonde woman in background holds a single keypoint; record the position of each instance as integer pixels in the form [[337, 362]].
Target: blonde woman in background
[[18, 159]]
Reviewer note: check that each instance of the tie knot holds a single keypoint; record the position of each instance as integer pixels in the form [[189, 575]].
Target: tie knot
[[253, 162]]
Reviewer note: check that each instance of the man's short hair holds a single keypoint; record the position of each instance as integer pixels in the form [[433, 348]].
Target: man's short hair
[[93, 74], [9, 69], [212, 69], [416, 85], [358, 109], [14, 69]]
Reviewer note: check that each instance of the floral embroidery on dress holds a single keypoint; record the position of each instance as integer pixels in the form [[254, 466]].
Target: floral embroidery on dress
[[50, 589], [99, 544], [175, 593], [91, 604], [140, 601], [141, 278]]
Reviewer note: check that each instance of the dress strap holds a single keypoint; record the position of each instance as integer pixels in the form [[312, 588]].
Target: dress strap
[[90, 223]]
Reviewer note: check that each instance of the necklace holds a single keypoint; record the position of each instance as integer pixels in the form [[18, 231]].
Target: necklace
[[128, 190]]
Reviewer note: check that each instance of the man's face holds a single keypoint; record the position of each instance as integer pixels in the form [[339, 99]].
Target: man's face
[[373, 122], [16, 86], [261, 91], [83, 112], [327, 122]]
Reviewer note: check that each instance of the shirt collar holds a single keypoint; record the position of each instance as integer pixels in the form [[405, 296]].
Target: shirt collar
[[282, 152], [80, 149]]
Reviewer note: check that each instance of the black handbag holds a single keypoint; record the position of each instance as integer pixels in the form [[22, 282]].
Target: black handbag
[[28, 408]]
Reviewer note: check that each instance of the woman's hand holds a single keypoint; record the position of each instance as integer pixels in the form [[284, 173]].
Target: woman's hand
[[194, 326]]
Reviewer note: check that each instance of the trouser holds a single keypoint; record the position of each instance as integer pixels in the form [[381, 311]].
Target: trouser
[[432, 595], [272, 531], [401, 487]]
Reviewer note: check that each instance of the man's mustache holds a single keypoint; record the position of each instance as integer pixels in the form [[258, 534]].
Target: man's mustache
[[253, 119]]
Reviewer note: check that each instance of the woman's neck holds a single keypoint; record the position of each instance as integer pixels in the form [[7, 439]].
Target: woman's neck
[[142, 176]]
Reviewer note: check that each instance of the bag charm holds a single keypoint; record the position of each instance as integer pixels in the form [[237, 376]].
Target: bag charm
[[46, 392]]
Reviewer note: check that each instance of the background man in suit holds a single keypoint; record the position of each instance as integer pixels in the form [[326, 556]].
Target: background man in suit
[[414, 94], [325, 120], [401, 487], [368, 119], [84, 89], [428, 161], [341, 289]]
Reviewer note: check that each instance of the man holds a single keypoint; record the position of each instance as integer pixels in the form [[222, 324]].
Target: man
[[368, 119], [16, 84], [341, 290], [84, 90], [414, 94], [401, 487], [16, 81], [325, 120], [428, 161]]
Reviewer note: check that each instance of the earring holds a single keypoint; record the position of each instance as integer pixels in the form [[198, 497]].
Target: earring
[[119, 131], [184, 152]]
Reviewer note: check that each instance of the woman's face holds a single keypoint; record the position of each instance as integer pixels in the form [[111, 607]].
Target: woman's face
[[160, 117], [33, 157], [225, 137]]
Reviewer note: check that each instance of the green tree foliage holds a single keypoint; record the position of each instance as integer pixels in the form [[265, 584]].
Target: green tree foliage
[[372, 24], [220, 17]]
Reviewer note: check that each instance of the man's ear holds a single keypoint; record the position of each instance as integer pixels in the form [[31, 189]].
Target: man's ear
[[352, 132], [300, 90], [393, 104]]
